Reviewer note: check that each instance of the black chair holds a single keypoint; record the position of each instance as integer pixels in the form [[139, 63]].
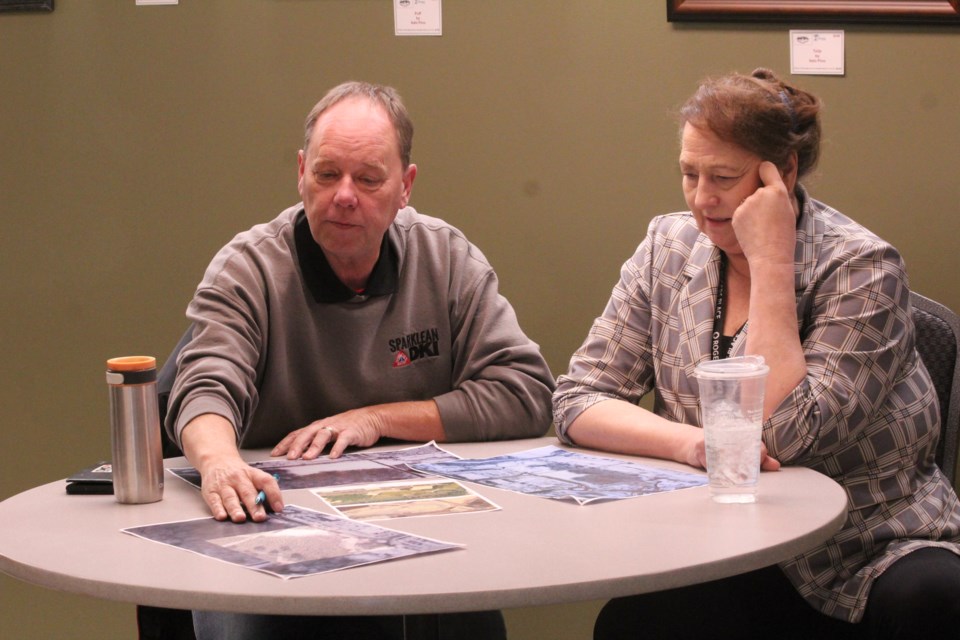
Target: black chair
[[165, 378], [938, 337], [160, 623]]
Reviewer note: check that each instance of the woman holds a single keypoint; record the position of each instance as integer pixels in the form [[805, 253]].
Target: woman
[[758, 267]]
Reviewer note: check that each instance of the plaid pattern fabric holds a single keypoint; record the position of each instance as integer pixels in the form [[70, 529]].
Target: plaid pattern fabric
[[866, 414], [937, 346]]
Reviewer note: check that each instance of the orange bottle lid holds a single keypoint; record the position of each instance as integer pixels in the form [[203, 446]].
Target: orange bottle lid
[[132, 363]]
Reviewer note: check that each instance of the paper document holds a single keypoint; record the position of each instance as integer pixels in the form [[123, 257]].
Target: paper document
[[298, 542], [552, 472]]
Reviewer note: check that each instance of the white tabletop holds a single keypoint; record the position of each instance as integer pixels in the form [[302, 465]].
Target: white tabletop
[[533, 552]]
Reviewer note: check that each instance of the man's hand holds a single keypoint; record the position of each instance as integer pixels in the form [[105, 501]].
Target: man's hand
[[416, 421], [357, 427], [229, 485], [230, 489]]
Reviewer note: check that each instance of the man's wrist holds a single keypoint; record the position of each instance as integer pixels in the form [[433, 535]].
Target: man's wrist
[[207, 439]]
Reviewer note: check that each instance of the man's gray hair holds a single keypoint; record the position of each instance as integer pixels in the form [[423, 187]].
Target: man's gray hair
[[386, 97]]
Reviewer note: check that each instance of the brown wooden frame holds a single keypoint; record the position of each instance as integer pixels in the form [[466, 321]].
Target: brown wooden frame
[[935, 12], [26, 5]]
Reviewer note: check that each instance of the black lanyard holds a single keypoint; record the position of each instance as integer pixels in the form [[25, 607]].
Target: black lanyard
[[722, 346]]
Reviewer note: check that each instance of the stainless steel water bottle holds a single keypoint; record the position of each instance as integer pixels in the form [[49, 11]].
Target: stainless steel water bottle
[[135, 429]]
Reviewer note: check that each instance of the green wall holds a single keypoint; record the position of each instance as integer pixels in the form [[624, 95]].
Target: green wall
[[135, 141]]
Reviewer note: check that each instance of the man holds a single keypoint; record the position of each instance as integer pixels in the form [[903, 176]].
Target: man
[[348, 318]]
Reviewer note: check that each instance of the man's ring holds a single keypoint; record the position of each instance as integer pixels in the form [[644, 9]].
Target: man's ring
[[333, 433]]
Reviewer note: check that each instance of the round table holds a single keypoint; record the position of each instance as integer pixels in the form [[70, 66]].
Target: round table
[[533, 551]]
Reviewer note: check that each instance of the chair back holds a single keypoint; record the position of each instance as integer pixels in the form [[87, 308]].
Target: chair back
[[165, 379], [938, 336]]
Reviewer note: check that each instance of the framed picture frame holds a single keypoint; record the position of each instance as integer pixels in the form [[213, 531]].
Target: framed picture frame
[[905, 12], [26, 5]]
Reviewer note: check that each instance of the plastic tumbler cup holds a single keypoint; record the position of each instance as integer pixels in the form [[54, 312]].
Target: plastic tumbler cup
[[731, 401]]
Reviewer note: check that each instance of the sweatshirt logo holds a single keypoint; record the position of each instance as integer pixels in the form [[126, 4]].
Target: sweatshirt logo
[[414, 346]]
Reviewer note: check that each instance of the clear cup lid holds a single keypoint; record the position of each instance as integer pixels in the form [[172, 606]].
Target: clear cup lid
[[732, 368]]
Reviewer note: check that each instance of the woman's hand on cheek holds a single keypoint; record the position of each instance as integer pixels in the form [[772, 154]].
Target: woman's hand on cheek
[[765, 222]]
